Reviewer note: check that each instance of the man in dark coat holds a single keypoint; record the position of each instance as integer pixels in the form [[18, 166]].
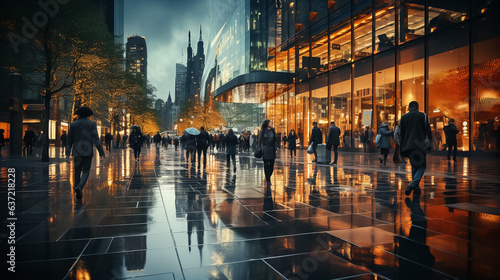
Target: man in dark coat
[[64, 141], [125, 138], [333, 140], [82, 137], [414, 128], [202, 145], [451, 131], [108, 138], [316, 139], [29, 138], [191, 148]]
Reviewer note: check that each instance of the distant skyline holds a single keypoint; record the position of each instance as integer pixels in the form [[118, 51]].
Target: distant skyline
[[165, 25]]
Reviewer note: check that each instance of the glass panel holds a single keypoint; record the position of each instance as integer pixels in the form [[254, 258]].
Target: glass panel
[[280, 124], [444, 13], [304, 57], [319, 59], [362, 94], [385, 85], [291, 108], [411, 77], [302, 107], [363, 35], [319, 103], [411, 20], [385, 33], [340, 37], [449, 84], [282, 61], [484, 6], [291, 65], [340, 102], [486, 84], [271, 64]]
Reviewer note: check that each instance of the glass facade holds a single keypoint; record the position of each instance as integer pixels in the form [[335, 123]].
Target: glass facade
[[361, 62]]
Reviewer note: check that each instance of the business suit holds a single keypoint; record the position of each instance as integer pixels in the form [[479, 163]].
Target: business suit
[[333, 140], [316, 139], [82, 137]]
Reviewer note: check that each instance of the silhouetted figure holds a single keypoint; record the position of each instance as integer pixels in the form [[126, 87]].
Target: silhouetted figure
[[292, 143], [202, 145], [268, 142], [29, 138], [385, 141], [231, 143], [316, 139], [108, 139], [333, 140], [136, 140], [450, 132]]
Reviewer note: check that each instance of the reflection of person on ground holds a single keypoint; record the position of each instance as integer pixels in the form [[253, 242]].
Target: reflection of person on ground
[[136, 140], [414, 128], [29, 137], [268, 205], [415, 249], [333, 140], [191, 148], [82, 137], [108, 138], [332, 190], [451, 131], [268, 142], [195, 221], [450, 195], [384, 141], [314, 199], [2, 141], [202, 146], [231, 143], [292, 144], [182, 140], [316, 139], [118, 139]]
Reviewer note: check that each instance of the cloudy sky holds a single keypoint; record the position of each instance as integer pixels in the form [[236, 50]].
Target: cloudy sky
[[165, 25]]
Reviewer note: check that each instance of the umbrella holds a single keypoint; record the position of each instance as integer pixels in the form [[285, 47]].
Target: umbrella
[[132, 127], [192, 131]]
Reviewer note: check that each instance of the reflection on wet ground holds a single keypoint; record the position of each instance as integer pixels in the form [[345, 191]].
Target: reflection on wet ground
[[165, 219]]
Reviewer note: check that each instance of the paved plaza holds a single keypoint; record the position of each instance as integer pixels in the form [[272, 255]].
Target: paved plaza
[[164, 219]]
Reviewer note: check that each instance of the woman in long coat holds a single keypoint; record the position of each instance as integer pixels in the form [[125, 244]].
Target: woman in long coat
[[385, 141], [292, 146], [269, 144], [231, 143]]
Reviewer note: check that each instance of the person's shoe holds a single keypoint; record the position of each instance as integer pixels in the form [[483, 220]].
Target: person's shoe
[[234, 169], [384, 162], [333, 163], [314, 160], [408, 190], [381, 160], [417, 191], [78, 193]]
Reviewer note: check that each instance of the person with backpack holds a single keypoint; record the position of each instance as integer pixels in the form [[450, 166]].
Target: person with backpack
[[136, 139], [202, 146], [383, 141]]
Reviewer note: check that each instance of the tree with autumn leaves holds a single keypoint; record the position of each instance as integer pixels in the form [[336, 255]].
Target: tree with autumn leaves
[[68, 51], [196, 115]]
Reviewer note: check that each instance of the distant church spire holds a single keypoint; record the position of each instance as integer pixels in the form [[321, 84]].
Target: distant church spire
[[189, 40], [200, 33]]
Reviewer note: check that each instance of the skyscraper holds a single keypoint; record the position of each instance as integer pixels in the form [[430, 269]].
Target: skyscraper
[[180, 83], [113, 16], [137, 56], [195, 65]]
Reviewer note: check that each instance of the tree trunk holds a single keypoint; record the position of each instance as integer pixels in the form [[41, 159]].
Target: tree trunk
[[46, 117]]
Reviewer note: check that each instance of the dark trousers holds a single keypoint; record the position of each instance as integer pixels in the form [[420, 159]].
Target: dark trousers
[[397, 157], [293, 152], [335, 153], [28, 149], [108, 145], [137, 152], [82, 171], [63, 148], [190, 150], [229, 157], [452, 145], [204, 151], [268, 169], [315, 149]]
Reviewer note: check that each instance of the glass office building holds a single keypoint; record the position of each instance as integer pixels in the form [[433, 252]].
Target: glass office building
[[359, 63]]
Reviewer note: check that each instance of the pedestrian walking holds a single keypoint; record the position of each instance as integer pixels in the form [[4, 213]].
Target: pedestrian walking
[[367, 139], [136, 140], [384, 141], [157, 141], [125, 138], [64, 139], [231, 143], [269, 144], [118, 140], [415, 129], [182, 140], [82, 137], [29, 138], [202, 146], [285, 140], [176, 142], [108, 139], [191, 148], [397, 153], [333, 140], [316, 139], [450, 132], [292, 143], [2, 140]]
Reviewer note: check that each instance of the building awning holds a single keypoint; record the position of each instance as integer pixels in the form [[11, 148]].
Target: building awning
[[254, 87]]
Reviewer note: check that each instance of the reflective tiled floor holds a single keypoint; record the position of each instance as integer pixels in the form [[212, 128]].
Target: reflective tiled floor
[[165, 219]]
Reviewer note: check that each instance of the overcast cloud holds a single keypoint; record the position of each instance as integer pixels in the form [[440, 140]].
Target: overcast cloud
[[165, 25]]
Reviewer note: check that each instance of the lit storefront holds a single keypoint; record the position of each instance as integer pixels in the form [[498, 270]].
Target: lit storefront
[[361, 62]]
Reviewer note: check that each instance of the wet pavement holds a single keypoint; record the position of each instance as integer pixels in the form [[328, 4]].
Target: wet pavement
[[164, 219]]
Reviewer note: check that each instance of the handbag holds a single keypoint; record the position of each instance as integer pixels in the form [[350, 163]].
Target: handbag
[[310, 150], [377, 139], [258, 152], [427, 143]]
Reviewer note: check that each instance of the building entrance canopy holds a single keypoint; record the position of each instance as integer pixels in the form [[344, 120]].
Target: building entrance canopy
[[255, 87]]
